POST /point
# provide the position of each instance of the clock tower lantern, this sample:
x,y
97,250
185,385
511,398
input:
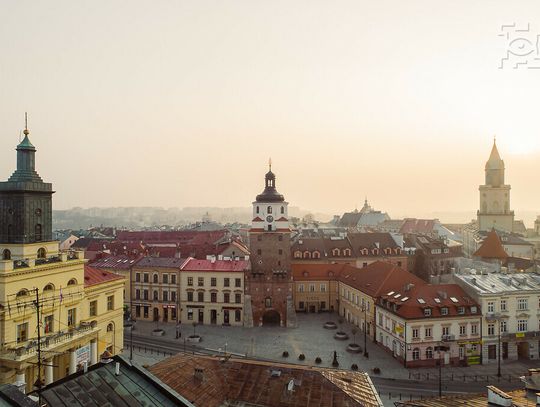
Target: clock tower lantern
x,y
269,285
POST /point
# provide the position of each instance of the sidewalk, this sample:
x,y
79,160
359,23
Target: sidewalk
x,y
311,339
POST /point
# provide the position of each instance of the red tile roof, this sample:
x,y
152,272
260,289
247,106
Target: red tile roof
x,y
216,265
121,262
492,247
93,276
311,272
412,225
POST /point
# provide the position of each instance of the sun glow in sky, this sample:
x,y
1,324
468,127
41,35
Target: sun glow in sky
x,y
180,103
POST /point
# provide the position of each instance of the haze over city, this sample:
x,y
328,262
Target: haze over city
x,y
182,103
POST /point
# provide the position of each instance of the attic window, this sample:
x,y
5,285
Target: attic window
x,y
397,295
421,301
391,293
404,299
437,300
453,299
427,312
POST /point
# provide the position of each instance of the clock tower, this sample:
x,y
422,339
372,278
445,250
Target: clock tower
x,y
269,285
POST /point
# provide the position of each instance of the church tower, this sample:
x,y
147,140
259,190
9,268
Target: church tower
x,y
269,284
495,197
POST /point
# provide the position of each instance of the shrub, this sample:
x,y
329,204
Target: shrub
x,y
301,356
318,360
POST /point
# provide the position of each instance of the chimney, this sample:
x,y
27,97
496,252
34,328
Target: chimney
x,y
498,397
198,373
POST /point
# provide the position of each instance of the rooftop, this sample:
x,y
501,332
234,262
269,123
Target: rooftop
x,y
498,283
216,265
93,276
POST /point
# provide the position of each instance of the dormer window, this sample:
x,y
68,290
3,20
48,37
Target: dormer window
x,y
257,209
427,312
282,209
269,209
461,310
316,255
347,252
473,310
297,255
444,311
307,255
335,252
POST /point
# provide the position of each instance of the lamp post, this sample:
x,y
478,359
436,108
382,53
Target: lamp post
x,y
366,354
131,339
499,351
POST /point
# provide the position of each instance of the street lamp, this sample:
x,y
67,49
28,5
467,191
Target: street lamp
x,y
364,308
441,348
131,339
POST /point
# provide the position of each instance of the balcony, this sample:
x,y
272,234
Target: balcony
x,y
48,343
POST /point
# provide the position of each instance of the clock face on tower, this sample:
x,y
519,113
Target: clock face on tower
x,y
269,218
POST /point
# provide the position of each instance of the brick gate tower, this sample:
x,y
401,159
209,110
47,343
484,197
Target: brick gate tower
x,y
269,285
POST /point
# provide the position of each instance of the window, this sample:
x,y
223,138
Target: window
x,y
48,287
300,288
138,311
461,310
22,332
48,324
238,282
173,296
173,278
257,209
323,288
269,209
429,353
416,354
427,333
280,251
145,277
463,329
200,296
503,326
474,329
226,282
190,296
415,333
93,308
444,311
165,279
165,296
446,330
522,304
41,253
110,302
503,305
238,298
110,327
522,325
213,281
474,310
491,306
491,329
200,281
6,255
155,278
145,295
237,315
72,317
301,305
226,298
190,314
145,309
427,312
156,295
190,281
138,277
213,297
259,252
311,288
268,302
282,209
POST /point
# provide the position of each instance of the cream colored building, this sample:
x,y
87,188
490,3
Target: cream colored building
x,y
46,316
213,291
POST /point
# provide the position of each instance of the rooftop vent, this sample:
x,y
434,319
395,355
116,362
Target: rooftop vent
x,y
198,373
275,373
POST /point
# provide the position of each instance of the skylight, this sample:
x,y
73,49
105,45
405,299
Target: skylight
x,y
397,295
421,301
438,301
404,299
453,299
390,293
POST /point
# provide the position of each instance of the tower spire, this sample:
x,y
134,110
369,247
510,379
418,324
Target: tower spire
x,y
270,164
26,132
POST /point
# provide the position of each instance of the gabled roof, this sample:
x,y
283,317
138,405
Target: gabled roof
x,y
216,265
412,225
315,272
379,240
262,383
491,248
94,276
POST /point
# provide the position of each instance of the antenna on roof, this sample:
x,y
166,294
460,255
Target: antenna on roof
x,y
26,132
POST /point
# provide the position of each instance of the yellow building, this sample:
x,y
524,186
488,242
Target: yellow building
x,y
316,287
46,312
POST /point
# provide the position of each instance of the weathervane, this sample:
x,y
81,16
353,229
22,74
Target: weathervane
x,y
26,132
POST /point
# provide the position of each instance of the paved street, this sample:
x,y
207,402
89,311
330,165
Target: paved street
x,y
311,339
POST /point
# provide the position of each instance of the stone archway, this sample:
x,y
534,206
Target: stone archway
x,y
271,317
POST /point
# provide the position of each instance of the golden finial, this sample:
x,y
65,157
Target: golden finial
x,y
26,132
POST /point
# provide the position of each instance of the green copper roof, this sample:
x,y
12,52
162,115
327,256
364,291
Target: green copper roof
x,y
25,144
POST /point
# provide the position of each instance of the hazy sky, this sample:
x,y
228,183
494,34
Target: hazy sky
x,y
180,103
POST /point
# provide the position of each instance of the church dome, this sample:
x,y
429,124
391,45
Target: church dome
x,y
270,194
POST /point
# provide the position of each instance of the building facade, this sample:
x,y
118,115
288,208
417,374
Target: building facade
x,y
316,287
47,326
269,284
213,291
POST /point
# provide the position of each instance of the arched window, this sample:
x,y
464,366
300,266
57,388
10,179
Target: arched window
x,y
307,255
155,278
257,209
41,253
22,292
73,281
6,255
156,295
316,255
110,327
416,354
387,251
375,252
429,353
269,209
38,232
347,252
282,209
364,252
49,287
335,252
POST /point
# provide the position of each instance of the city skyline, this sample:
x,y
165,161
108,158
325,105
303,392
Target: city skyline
x,y
407,122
